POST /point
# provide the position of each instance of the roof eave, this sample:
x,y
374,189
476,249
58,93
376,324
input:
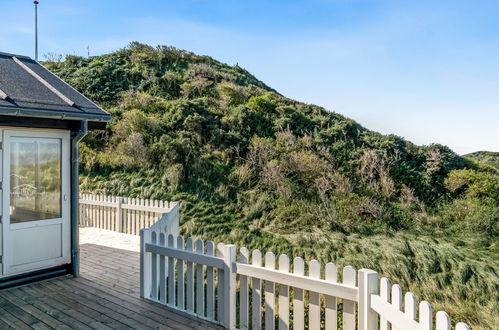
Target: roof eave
x,y
53,114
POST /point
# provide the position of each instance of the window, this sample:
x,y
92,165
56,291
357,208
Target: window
x,y
35,179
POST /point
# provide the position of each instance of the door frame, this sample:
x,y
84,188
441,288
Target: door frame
x,y
65,219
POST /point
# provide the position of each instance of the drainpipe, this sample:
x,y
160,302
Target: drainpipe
x,y
75,197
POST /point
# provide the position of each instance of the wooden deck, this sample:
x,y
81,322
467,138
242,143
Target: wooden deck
x,y
105,296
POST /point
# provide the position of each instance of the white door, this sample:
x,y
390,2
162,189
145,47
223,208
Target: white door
x,y
36,205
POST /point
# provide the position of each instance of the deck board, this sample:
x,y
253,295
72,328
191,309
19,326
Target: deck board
x,y
105,296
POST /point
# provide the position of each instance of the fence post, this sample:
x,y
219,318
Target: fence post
x,y
368,285
229,287
145,264
119,214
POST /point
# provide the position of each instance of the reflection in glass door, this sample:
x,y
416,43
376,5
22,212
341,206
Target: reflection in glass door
x,y
35,179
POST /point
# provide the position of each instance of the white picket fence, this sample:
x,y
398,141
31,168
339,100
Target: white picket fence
x,y
127,215
252,292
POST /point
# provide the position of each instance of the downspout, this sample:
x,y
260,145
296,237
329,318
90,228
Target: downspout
x,y
75,197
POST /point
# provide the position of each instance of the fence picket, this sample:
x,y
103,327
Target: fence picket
x,y
200,280
130,215
154,269
283,295
410,305
112,224
171,273
396,300
145,215
97,212
102,212
425,316
82,207
93,212
349,278
462,326
298,301
162,271
142,222
81,218
80,215
443,321
110,213
190,277
135,222
114,218
256,297
90,212
331,321
147,218
148,214
151,214
86,210
244,294
180,276
386,296
136,214
210,283
314,307
126,217
269,294
83,210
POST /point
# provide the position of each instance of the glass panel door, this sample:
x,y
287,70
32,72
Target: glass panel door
x,y
36,203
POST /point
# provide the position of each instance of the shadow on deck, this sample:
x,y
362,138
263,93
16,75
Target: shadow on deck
x,y
105,296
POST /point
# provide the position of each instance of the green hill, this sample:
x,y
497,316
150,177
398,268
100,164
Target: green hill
x,y
487,157
255,168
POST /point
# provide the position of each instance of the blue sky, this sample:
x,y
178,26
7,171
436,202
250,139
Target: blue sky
x,y
424,70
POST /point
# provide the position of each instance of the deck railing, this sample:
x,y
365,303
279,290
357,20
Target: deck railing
x,y
127,215
249,291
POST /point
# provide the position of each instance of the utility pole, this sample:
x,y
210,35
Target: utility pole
x,y
36,30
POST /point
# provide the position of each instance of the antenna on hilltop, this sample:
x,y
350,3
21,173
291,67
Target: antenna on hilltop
x,y
36,29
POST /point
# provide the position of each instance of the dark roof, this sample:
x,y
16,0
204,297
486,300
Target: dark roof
x,y
28,89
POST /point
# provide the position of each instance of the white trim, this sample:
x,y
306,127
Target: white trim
x,y
209,261
298,281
